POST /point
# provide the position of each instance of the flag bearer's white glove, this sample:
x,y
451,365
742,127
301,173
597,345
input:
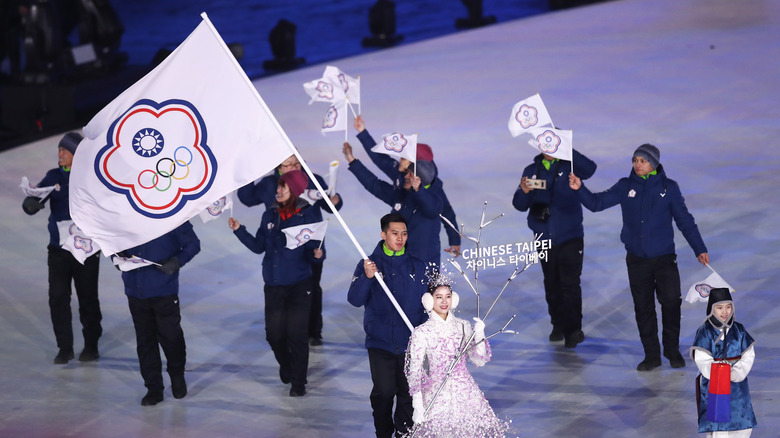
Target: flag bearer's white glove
x,y
418,407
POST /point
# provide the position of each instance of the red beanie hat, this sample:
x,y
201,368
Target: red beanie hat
x,y
296,180
424,152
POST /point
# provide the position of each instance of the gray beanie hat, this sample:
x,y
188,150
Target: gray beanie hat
x,y
649,153
426,170
71,141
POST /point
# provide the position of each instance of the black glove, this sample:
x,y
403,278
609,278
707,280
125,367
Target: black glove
x,y
32,205
170,266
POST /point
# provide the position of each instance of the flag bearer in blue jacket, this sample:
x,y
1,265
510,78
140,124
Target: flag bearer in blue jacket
x,y
387,335
153,296
650,201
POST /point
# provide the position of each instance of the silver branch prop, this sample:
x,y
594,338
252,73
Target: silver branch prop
x,y
474,287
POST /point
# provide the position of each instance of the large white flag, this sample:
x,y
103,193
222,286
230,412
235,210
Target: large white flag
x,y
217,209
528,113
350,85
323,90
73,239
335,118
398,146
553,142
299,235
191,131
700,291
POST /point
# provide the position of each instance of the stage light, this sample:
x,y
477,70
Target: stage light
x,y
43,42
100,25
282,40
237,50
381,23
475,18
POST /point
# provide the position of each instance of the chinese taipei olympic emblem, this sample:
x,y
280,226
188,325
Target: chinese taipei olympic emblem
x,y
395,142
548,142
157,156
304,236
703,289
527,116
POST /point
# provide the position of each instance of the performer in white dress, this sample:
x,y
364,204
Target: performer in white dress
x,y
460,409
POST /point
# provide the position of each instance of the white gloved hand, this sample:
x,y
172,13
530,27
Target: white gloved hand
x,y
418,407
479,329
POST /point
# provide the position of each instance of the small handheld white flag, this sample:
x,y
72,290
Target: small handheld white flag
x,y
323,90
74,240
556,143
217,209
335,118
39,192
700,291
298,236
350,85
398,145
527,114
129,263
333,170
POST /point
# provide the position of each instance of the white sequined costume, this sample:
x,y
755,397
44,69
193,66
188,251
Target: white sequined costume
x,y
460,409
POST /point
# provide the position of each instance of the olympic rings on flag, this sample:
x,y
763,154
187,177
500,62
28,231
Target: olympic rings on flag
x,y
163,170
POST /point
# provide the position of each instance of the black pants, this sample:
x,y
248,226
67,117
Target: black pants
x,y
315,315
157,323
287,327
562,289
387,374
651,278
64,269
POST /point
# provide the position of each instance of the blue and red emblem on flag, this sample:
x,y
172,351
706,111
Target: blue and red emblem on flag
x,y
331,118
325,90
395,142
304,236
548,142
703,289
719,393
527,116
157,156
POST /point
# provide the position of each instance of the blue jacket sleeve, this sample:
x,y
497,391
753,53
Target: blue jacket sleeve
x,y
188,241
256,244
685,221
522,201
321,204
427,202
384,162
453,236
603,200
584,167
360,288
381,189
260,192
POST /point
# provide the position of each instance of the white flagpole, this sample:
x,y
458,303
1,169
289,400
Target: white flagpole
x,y
352,108
308,171
323,234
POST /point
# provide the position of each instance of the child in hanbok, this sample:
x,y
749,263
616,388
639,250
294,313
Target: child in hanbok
x,y
721,339
460,409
